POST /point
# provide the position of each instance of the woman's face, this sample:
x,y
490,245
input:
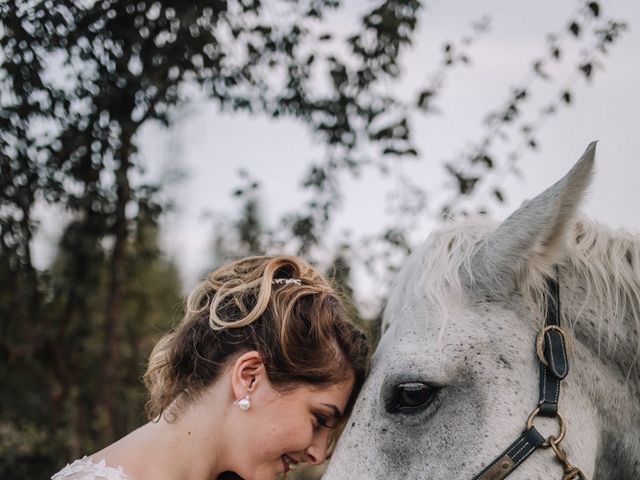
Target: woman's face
x,y
286,428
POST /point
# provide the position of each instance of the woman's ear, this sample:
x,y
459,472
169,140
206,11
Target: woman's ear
x,y
246,373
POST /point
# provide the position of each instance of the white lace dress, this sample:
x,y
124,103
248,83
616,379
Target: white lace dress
x,y
86,469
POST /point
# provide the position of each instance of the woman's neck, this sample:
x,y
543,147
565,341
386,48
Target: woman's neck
x,y
187,449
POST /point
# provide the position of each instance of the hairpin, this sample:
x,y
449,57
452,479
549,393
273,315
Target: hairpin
x,y
287,281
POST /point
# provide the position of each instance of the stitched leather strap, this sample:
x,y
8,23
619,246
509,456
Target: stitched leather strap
x,y
551,376
513,456
555,353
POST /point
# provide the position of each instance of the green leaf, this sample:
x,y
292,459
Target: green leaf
x,y
424,99
484,158
400,152
574,28
586,69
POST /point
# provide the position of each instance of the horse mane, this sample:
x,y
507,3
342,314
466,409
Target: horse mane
x,y
605,263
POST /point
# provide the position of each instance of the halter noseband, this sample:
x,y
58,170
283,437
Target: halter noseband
x,y
552,344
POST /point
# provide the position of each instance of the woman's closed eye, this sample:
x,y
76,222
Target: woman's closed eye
x,y
320,421
327,416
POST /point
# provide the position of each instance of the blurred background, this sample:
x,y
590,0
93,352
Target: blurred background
x,y
143,143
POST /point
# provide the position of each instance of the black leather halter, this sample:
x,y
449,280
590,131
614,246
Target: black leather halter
x,y
551,347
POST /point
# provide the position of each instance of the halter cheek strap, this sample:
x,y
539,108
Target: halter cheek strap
x,y
551,347
513,456
552,354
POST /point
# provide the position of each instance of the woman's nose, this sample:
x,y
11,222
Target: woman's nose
x,y
316,453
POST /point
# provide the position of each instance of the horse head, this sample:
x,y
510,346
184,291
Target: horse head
x,y
455,375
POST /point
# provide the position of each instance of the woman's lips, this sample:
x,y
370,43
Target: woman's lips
x,y
285,463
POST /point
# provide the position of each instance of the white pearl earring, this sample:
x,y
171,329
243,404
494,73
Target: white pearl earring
x,y
244,403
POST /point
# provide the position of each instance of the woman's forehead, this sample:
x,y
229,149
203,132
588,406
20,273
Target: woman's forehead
x,y
335,394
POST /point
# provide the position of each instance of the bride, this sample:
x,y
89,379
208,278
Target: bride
x,y
257,377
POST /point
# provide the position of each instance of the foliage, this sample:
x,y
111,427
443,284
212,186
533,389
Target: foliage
x,y
52,368
476,173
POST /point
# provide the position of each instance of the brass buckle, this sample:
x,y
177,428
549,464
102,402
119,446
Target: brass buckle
x,y
540,342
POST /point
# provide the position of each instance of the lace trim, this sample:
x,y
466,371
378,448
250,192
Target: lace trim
x,y
91,471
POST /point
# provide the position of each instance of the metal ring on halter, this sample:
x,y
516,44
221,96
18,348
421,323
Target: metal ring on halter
x,y
540,342
555,440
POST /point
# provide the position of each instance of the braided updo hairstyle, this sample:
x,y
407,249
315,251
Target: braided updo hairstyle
x,y
277,305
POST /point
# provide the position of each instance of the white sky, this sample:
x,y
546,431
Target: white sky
x,y
210,147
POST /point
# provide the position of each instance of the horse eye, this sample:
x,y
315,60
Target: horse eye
x,y
411,397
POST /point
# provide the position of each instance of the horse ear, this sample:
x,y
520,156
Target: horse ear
x,y
533,236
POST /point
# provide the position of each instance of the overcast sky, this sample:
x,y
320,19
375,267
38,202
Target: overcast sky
x,y
210,147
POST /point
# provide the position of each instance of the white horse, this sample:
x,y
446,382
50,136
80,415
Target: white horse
x,y
456,374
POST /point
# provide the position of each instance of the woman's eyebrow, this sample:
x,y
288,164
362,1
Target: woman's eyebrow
x,y
336,411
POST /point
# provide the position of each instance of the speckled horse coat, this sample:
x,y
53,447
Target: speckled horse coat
x,y
455,374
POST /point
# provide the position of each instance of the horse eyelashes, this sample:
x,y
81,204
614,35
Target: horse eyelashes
x,y
411,397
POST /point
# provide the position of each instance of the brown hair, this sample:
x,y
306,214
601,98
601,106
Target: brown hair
x,y
299,327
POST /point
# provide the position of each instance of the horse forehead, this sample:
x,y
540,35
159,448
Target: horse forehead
x,y
418,327
410,313
413,313
404,348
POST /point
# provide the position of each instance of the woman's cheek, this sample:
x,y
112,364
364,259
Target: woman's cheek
x,y
300,438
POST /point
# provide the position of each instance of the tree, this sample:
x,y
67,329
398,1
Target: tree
x,y
476,172
56,371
